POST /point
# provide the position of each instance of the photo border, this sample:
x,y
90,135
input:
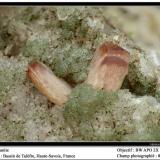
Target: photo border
x,y
82,143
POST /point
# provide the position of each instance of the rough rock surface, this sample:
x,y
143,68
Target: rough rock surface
x,y
65,38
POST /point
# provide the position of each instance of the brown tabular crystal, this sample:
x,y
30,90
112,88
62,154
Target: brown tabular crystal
x,y
108,67
55,89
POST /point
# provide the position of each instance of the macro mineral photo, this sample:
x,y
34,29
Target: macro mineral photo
x,y
79,73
